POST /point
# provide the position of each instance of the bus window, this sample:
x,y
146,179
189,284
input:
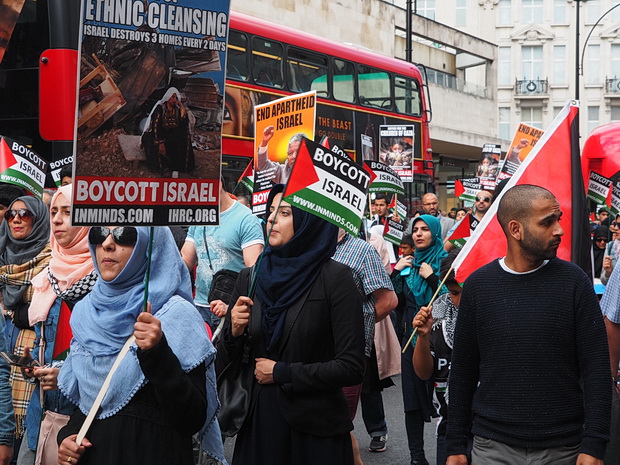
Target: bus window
x,y
267,63
237,65
374,88
344,84
307,71
407,96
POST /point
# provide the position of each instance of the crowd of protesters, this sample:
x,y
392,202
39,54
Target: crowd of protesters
x,y
514,366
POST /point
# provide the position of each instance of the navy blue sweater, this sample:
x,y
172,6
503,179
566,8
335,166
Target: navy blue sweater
x,y
530,341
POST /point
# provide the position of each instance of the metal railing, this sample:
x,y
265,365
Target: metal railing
x,y
612,85
531,87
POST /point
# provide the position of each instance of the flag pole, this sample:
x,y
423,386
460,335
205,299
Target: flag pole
x,y
430,304
147,276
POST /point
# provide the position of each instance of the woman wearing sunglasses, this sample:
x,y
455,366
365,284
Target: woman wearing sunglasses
x,y
163,391
24,253
307,342
68,278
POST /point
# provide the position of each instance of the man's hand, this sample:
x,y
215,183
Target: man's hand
x,y
585,459
456,460
6,454
267,135
218,308
395,217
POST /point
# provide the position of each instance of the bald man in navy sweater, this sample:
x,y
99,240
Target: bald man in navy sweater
x,y
530,367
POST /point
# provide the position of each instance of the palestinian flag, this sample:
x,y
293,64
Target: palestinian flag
x,y
329,185
247,177
63,334
554,164
466,189
459,236
383,178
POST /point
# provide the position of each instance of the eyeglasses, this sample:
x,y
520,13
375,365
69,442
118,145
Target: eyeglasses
x,y
600,239
23,213
122,235
483,199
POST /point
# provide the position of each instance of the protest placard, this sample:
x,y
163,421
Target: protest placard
x,y
401,209
523,142
383,178
280,126
598,188
9,14
488,167
459,236
466,189
329,185
21,166
151,88
615,199
393,232
396,149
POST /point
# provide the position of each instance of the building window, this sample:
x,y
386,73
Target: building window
x,y
504,123
593,11
615,60
532,116
593,118
504,67
615,113
531,62
532,11
593,60
461,13
425,8
559,64
556,111
559,11
504,13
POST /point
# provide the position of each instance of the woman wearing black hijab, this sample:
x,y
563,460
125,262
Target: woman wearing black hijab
x,y
307,341
599,244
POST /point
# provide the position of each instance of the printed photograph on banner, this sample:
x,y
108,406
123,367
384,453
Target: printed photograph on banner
x,y
280,128
383,178
598,188
329,185
150,104
21,166
393,232
523,142
396,149
368,151
9,13
488,167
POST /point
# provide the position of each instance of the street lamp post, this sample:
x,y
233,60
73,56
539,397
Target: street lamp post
x,y
577,62
408,32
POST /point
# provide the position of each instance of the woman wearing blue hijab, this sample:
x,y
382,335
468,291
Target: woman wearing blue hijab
x,y
418,289
306,332
164,389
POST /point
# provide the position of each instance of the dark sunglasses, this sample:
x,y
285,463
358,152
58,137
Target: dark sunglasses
x,y
122,235
600,239
22,212
483,199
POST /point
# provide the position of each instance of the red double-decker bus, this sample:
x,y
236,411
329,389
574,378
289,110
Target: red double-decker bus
x,y
358,91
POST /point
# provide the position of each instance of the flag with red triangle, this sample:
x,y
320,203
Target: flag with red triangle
x,y
329,185
467,189
247,177
554,164
393,232
459,236
21,166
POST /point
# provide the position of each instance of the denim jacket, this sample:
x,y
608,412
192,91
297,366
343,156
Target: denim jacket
x,y
54,400
7,418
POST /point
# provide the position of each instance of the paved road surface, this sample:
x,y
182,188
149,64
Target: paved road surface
x,y
397,452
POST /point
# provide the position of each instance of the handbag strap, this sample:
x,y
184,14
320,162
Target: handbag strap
x,y
204,238
103,391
